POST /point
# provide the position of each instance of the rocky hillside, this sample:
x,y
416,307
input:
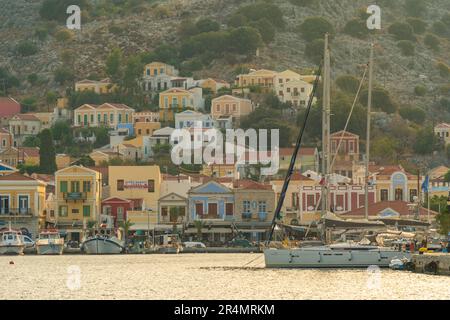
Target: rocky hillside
x,y
149,24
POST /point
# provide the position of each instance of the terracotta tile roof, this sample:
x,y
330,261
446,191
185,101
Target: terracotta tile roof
x,y
8,107
29,151
387,170
251,185
399,206
346,134
103,170
303,151
27,117
16,176
443,126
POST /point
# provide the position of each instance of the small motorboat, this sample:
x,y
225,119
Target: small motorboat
x,y
11,242
400,264
50,242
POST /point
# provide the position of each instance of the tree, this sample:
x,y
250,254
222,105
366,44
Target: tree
x,y
265,28
384,150
63,75
113,65
207,25
314,50
348,84
432,42
401,31
419,26
47,156
356,28
32,141
415,114
380,100
420,91
258,11
315,28
126,226
425,141
406,47
245,40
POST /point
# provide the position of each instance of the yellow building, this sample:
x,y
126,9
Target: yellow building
x,y
136,183
262,78
159,68
220,171
101,87
107,114
77,200
146,128
214,85
438,184
103,156
442,130
176,100
63,160
46,119
22,201
225,106
27,155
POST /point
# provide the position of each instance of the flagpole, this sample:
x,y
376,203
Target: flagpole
x,y
428,194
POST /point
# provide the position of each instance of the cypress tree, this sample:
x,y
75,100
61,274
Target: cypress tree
x,y
47,154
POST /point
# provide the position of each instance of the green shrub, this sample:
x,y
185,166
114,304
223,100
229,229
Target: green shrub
x,y
63,35
416,8
265,28
62,75
41,33
237,20
56,9
348,83
432,42
245,40
356,28
380,100
260,10
419,26
32,78
414,114
444,70
440,28
207,25
401,31
315,28
407,47
420,91
314,50
26,48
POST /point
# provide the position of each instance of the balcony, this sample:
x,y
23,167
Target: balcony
x,y
74,196
246,215
262,216
16,212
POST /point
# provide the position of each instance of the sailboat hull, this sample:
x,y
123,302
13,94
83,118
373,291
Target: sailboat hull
x,y
325,258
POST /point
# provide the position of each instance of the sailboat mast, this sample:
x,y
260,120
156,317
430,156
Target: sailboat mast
x,y
369,110
326,127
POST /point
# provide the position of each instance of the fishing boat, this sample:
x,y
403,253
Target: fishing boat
x,y
102,244
50,242
169,243
11,242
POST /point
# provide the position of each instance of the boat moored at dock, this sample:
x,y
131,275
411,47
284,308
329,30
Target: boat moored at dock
x,y
49,243
11,242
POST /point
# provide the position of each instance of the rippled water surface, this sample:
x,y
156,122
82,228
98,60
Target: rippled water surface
x,y
201,276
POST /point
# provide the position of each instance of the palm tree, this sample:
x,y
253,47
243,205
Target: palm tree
x,y
125,226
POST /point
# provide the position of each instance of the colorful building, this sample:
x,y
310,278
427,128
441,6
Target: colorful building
x,y
101,87
24,125
190,118
214,85
117,208
226,106
177,100
107,114
146,128
14,156
77,200
8,108
442,130
345,148
145,116
6,139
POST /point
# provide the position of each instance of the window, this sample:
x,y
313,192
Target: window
x,y
148,72
23,204
398,194
111,117
139,131
62,211
86,211
120,214
217,107
351,147
412,194
234,107
74,186
86,186
99,118
92,118
148,131
105,118
384,195
4,142
79,119
75,211
262,206
246,206
164,211
295,200
120,118
120,185
52,213
63,186
229,209
126,118
151,186
199,209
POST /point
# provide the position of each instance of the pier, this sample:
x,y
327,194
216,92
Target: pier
x,y
432,263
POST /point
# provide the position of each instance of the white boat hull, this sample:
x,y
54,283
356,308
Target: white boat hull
x,y
102,246
12,249
307,258
50,249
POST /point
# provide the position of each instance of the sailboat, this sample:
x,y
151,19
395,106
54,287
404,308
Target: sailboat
x,y
350,255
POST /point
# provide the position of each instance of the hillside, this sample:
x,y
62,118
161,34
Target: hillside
x,y
139,27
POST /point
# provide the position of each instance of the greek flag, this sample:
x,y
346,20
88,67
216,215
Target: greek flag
x,y
425,184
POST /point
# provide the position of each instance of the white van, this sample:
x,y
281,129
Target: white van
x,y
191,244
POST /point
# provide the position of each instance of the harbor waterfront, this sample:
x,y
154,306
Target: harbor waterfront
x,y
203,276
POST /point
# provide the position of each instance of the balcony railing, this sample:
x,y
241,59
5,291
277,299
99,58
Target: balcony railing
x,y
246,215
262,216
74,196
16,212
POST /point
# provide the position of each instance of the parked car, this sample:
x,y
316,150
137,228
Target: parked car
x,y
243,243
193,244
30,245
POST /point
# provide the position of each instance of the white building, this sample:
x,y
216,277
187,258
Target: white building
x,y
189,118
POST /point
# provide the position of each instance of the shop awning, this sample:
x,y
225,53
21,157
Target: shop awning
x,y
206,230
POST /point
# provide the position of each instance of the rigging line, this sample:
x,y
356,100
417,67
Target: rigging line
x,y
349,117
294,156
253,260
